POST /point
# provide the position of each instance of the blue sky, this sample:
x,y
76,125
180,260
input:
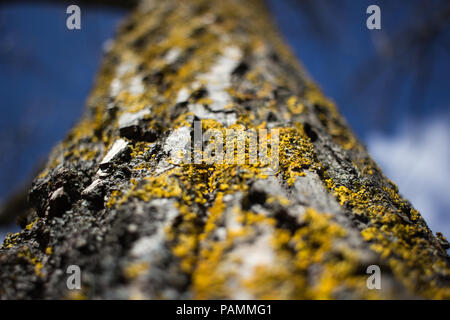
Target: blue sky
x,y
47,73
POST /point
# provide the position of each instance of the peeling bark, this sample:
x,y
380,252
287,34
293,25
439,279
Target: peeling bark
x,y
140,225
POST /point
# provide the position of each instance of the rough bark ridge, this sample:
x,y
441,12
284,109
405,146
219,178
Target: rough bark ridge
x,y
140,225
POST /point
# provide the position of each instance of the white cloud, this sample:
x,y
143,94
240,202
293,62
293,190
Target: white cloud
x,y
417,159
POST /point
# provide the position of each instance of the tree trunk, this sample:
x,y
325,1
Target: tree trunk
x,y
117,199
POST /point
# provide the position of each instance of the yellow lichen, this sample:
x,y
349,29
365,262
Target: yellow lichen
x,y
311,246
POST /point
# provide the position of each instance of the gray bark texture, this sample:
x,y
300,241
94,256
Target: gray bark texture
x,y
116,200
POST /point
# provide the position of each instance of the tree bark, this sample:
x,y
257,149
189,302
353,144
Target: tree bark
x,y
140,225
